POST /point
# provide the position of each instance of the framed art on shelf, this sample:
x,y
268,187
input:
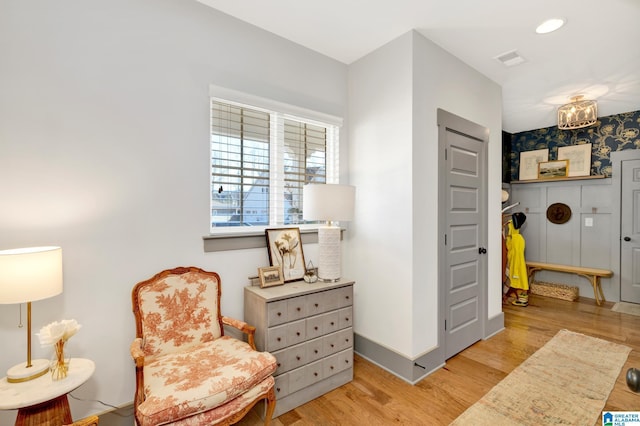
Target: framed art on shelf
x,y
270,276
529,163
579,157
553,169
285,249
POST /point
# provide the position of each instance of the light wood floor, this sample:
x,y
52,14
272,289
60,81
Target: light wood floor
x,y
376,397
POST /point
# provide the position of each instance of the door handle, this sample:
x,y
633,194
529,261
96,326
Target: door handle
x,y
627,239
482,250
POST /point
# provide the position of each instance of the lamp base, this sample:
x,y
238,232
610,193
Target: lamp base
x,y
21,373
329,254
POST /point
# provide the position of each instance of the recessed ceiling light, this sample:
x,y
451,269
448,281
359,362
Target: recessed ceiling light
x,y
550,25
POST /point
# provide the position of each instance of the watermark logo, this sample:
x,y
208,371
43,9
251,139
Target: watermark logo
x,y
621,418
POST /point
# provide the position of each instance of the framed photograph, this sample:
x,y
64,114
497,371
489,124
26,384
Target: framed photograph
x,y
553,169
529,163
579,157
285,250
270,276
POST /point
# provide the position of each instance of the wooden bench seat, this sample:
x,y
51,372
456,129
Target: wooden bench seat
x,y
592,274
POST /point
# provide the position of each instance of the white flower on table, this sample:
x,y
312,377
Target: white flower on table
x,y
56,334
52,333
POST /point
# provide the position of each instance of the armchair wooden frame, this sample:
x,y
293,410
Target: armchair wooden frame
x,y
247,331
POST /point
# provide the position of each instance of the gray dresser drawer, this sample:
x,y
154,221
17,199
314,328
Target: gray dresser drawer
x,y
305,376
336,363
338,341
277,313
345,317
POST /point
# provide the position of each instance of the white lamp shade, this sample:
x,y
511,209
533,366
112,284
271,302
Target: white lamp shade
x,y
329,202
30,274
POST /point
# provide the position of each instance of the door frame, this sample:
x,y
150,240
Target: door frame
x,y
445,120
617,157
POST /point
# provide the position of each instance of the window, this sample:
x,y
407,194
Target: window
x,y
260,160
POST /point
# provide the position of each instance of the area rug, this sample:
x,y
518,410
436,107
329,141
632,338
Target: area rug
x,y
567,381
627,308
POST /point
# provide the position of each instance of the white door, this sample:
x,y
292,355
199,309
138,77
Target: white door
x,y
630,232
464,276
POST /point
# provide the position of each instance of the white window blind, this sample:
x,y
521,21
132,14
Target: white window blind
x,y
304,162
260,160
240,139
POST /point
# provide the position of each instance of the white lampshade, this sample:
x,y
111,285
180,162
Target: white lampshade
x,y
330,202
30,274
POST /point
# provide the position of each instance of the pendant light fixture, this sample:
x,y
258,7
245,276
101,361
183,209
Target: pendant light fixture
x,y
577,114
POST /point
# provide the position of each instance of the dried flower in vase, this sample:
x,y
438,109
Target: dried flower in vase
x,y
56,334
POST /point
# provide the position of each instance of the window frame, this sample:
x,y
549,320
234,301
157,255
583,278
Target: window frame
x,y
280,111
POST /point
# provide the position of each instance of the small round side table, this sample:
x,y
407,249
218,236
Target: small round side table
x,y
43,400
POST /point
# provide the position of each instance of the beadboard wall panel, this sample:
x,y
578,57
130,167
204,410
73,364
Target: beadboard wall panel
x,y
585,240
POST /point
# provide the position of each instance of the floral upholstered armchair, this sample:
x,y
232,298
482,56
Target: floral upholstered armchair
x,y
187,371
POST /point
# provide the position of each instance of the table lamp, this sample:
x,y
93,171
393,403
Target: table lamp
x,y
330,203
27,275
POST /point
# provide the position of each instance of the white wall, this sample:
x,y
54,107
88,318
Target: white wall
x,y
104,151
381,235
394,242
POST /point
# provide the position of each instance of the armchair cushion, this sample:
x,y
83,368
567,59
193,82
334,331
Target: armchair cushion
x,y
209,375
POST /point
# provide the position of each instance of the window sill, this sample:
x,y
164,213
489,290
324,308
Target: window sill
x,y
247,240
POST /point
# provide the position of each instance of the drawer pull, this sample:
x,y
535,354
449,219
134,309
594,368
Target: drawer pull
x,y
316,305
315,328
279,314
315,351
331,367
346,319
298,309
315,374
298,357
346,340
346,361
332,345
347,297
278,389
279,365
297,333
279,339
332,323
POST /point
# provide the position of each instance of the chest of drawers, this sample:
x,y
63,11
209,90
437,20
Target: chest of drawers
x,y
308,328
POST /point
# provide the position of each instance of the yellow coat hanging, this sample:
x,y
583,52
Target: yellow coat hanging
x,y
517,266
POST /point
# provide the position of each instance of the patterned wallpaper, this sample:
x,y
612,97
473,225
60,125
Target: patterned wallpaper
x,y
612,133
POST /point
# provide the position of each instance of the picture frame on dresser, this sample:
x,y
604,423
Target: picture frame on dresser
x,y
270,276
284,246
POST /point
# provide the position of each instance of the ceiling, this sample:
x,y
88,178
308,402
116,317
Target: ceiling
x,y
596,53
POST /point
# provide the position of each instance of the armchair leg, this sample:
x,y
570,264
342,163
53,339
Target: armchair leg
x,y
271,406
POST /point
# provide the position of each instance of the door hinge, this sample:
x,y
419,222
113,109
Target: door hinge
x,y
445,325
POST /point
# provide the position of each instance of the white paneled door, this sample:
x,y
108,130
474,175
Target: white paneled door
x,y
464,276
630,232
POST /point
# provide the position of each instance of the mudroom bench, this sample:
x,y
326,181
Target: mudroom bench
x,y
592,274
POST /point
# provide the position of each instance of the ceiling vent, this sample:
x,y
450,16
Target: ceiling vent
x,y
510,58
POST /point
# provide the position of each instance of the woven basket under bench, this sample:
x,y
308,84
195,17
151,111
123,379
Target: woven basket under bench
x,y
558,291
